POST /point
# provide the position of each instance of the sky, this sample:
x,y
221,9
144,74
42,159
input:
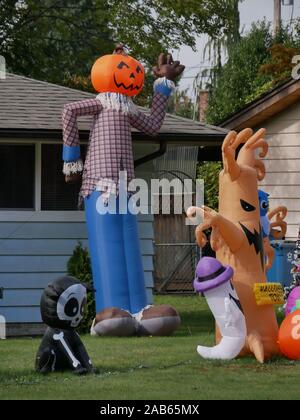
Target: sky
x,y
251,11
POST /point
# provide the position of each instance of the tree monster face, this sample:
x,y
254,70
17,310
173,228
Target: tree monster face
x,y
239,203
119,74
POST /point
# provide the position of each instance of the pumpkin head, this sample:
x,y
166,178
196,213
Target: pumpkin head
x,y
118,73
289,336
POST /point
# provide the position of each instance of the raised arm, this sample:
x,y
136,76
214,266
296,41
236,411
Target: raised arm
x,y
165,71
231,234
71,148
151,124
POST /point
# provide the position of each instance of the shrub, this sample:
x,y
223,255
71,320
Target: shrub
x,y
209,172
79,266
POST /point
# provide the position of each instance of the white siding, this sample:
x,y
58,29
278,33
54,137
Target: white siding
x,y
35,247
34,253
282,181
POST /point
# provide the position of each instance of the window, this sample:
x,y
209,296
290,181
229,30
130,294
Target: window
x,y
55,193
21,176
17,172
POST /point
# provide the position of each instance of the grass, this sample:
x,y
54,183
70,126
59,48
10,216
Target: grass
x,y
150,368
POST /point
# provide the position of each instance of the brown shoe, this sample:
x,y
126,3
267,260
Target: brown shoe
x,y
114,322
159,320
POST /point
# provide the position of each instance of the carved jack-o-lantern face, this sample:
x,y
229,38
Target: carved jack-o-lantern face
x,y
118,73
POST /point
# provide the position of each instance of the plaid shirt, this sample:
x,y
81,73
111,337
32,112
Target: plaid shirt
x,y
110,143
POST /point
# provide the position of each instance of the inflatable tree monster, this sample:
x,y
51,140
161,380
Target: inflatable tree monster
x,y
237,235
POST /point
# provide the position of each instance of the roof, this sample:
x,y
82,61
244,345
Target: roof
x,y
33,108
270,104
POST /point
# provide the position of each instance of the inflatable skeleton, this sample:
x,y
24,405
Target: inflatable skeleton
x,y
62,308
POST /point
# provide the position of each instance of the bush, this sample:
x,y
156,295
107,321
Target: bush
x,y
79,266
209,172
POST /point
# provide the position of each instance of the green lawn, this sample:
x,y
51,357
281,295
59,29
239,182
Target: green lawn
x,y
150,368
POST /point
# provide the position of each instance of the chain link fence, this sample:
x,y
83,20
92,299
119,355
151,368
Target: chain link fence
x,y
175,265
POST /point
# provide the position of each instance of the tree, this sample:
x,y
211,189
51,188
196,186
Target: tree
x,y
58,40
239,77
219,44
256,64
280,65
150,25
54,40
181,104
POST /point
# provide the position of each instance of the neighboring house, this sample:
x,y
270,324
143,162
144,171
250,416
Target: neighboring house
x,y
39,221
279,112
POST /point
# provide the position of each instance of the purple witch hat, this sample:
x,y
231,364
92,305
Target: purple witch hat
x,y
210,273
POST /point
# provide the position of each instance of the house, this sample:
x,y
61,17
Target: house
x,y
279,112
39,221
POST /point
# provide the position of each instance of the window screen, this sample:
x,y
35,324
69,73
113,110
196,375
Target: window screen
x,y
17,171
56,194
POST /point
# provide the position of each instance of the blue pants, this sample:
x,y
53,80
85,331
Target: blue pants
x,y
116,258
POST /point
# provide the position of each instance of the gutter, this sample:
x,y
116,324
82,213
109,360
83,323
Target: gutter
x,y
182,139
160,152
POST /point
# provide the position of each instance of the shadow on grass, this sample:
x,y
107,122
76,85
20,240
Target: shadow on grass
x,y
193,323
26,377
20,377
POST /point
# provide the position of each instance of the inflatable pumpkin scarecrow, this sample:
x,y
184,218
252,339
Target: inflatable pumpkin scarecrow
x,y
118,275
237,235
